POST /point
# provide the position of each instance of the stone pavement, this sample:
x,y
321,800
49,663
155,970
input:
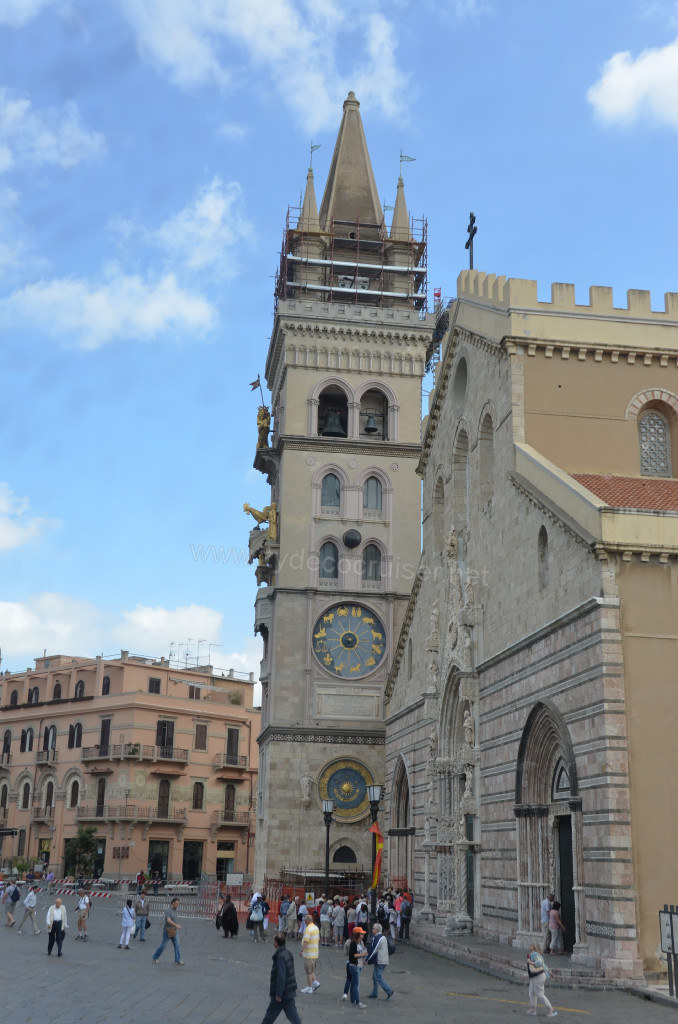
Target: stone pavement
x,y
226,980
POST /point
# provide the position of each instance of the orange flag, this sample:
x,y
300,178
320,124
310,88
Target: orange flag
x,y
377,861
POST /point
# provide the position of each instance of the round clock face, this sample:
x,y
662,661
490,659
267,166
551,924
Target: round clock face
x,y
349,640
345,781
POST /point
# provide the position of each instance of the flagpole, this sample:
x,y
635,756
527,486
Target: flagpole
x,y
374,795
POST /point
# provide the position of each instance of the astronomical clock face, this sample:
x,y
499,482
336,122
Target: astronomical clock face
x,y
349,641
345,781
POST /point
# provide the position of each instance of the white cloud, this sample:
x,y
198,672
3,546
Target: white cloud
x,y
645,86
17,527
119,307
233,130
55,136
152,630
17,13
292,44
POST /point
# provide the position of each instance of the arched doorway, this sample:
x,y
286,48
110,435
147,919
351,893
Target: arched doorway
x,y
400,843
548,813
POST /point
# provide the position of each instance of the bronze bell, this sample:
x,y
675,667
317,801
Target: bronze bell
x,y
333,426
371,425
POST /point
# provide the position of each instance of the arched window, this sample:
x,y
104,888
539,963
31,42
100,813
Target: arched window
x,y
75,735
7,741
460,479
332,412
14,698
79,689
371,564
57,691
229,802
30,736
655,447
49,737
4,792
459,386
543,557
198,796
33,695
106,686
344,855
372,494
26,796
74,795
330,493
374,415
328,568
49,794
163,798
22,745
486,459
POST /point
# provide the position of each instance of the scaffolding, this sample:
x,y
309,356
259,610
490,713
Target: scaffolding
x,y
355,262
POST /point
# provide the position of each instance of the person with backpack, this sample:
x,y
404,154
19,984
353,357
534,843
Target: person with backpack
x,y
405,917
378,957
257,919
10,899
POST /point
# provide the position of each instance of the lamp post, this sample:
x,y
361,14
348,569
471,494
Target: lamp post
x,y
328,807
374,796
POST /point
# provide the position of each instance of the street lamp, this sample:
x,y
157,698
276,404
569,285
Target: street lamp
x,y
328,807
374,796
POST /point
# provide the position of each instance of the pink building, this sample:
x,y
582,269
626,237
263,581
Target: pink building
x,y
161,760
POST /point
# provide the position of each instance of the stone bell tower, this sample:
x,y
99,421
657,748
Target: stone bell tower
x,y
338,546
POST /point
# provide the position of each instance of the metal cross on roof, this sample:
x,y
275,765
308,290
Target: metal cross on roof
x,y
472,229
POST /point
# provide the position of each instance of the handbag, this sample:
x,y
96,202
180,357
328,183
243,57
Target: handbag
x,y
148,923
171,931
217,922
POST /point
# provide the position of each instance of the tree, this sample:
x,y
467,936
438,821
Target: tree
x,y
81,850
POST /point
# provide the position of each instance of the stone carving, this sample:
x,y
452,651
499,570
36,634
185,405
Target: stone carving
x,y
433,746
263,426
427,831
469,727
468,786
305,782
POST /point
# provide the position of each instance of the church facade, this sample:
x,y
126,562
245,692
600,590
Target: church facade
x,y
529,707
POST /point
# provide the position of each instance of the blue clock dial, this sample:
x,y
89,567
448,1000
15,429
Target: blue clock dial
x,y
349,641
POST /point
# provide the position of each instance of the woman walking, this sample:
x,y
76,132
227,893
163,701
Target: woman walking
x,y
556,929
356,958
128,922
536,969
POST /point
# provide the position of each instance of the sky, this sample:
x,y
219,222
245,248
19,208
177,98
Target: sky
x,y
149,150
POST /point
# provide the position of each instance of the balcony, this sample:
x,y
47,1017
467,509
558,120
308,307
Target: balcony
x,y
46,757
39,814
228,819
135,752
231,764
132,812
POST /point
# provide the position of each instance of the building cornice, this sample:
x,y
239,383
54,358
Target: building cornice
x,y
385,449
374,736
629,354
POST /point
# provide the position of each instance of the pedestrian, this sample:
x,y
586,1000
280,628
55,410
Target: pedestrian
x,y
556,928
267,911
338,921
29,903
141,908
378,957
356,958
10,898
291,920
156,882
257,918
325,924
546,905
283,987
309,953
351,917
229,918
57,924
128,921
49,879
141,881
538,973
84,906
405,917
169,931
282,911
303,911
392,920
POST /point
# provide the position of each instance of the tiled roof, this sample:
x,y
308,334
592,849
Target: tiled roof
x,y
660,495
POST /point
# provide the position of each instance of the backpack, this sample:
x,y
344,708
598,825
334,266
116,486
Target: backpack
x,y
390,945
257,913
406,910
15,895
382,914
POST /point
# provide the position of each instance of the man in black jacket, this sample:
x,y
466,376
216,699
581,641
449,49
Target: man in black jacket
x,y
283,984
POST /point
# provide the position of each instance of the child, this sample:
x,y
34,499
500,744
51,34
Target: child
x,y
128,922
538,973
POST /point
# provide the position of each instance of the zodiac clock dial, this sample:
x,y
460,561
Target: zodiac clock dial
x,y
349,641
345,782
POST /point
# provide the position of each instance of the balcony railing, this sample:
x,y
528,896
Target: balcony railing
x,y
227,817
231,760
131,812
138,751
46,756
42,813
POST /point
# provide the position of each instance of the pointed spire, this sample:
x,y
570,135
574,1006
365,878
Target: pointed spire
x,y
308,219
351,191
400,225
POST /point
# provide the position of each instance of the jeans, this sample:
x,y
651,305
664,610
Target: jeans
x,y
140,928
378,979
287,1006
354,971
165,940
257,931
405,928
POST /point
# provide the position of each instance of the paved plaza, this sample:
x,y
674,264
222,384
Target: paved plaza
x,y
227,980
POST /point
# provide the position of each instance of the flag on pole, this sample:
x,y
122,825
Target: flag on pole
x,y
256,383
377,860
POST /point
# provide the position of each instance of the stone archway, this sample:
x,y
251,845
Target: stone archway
x,y
401,830
549,828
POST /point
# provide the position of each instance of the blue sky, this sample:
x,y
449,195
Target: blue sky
x,y
148,152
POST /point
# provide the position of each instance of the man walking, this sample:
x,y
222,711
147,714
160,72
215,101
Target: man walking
x,y
283,984
169,931
291,920
140,915
309,952
378,957
83,913
546,905
29,904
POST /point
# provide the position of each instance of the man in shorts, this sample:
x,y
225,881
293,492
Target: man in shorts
x,y
309,953
83,913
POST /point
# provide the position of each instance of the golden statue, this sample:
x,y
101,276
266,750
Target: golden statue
x,y
268,515
263,426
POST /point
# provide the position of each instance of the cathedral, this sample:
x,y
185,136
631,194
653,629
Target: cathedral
x,y
506,675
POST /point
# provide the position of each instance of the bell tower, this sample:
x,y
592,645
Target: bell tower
x,y
338,546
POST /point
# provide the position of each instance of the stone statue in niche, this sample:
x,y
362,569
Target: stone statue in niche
x,y
305,782
468,786
469,727
433,746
